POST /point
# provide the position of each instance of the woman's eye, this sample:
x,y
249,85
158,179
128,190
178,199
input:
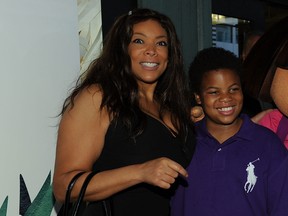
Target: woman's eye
x,y
139,41
162,43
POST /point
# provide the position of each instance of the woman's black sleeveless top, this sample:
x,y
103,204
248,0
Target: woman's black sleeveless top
x,y
121,150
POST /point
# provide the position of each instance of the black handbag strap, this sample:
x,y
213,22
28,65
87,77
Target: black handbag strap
x,y
82,192
107,207
68,192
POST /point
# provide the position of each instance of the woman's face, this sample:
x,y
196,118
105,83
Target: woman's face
x,y
221,97
148,51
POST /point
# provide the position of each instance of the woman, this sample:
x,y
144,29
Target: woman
x,y
128,118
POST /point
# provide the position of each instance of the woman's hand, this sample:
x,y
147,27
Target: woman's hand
x,y
161,172
197,113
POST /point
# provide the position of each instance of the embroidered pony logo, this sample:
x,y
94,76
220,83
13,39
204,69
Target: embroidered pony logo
x,y
251,177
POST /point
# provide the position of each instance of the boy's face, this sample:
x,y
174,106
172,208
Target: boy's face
x,y
221,97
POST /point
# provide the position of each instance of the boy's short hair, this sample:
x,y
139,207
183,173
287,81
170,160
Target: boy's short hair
x,y
208,59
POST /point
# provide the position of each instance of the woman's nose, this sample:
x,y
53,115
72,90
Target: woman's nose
x,y
151,50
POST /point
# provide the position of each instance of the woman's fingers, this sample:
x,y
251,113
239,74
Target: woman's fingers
x,y
197,113
178,168
162,172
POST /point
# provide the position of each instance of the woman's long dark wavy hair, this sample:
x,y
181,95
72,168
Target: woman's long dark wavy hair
x,y
111,71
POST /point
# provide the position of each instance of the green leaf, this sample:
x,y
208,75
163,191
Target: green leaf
x,y
44,201
3,209
25,200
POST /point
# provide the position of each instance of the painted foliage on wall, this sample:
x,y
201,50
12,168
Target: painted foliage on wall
x,y
42,204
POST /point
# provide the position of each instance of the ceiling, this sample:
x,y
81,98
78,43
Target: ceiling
x,y
275,12
261,13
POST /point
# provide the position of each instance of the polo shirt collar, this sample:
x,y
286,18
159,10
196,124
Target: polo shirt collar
x,y
245,132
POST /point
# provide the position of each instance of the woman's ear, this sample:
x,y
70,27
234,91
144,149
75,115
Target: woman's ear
x,y
197,98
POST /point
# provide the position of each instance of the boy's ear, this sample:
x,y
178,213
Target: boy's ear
x,y
197,98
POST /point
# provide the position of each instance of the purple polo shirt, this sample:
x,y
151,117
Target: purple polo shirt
x,y
246,175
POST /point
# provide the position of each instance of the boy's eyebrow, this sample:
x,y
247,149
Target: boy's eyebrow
x,y
211,87
238,84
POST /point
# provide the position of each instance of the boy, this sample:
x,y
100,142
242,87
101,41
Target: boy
x,y
239,168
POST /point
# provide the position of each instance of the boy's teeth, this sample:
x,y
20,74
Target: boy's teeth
x,y
225,109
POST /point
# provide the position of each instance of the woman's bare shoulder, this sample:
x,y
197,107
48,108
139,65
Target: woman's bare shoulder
x,y
89,98
87,106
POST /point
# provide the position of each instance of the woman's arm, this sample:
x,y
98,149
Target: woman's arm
x,y
80,141
279,89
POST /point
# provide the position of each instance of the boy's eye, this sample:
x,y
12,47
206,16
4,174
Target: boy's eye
x,y
234,89
212,92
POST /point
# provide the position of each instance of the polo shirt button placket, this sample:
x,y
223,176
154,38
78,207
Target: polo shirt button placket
x,y
219,159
